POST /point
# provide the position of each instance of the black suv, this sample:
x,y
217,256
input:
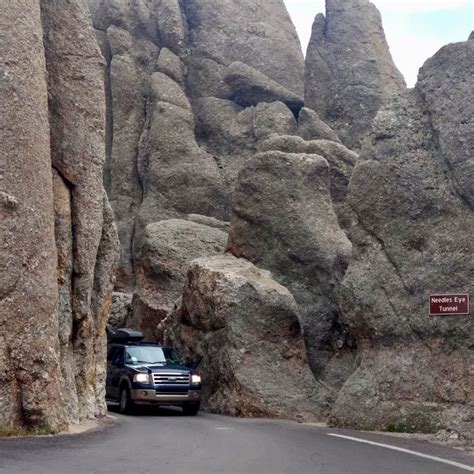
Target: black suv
x,y
144,373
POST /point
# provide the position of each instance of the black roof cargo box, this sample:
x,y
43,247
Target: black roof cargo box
x,y
126,335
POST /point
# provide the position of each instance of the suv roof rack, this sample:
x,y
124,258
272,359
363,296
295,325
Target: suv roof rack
x,y
126,335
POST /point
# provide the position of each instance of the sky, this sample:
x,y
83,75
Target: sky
x,y
415,29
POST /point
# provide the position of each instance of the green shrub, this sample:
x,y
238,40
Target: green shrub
x,y
8,432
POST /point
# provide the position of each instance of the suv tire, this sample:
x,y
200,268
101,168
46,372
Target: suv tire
x,y
191,410
125,401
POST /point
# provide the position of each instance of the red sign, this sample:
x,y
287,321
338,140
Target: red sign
x,y
445,305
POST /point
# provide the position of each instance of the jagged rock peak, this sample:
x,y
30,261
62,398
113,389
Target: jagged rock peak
x,y
349,69
412,192
258,33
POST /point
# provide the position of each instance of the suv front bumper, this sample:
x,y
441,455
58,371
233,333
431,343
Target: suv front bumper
x,y
152,397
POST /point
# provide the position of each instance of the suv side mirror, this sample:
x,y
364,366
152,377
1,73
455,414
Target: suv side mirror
x,y
191,365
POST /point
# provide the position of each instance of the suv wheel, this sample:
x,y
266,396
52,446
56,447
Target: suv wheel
x,y
125,401
191,410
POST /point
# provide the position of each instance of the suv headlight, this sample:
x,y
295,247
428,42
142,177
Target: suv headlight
x,y
141,378
195,379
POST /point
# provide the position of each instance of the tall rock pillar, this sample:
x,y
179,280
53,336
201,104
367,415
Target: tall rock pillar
x,y
349,70
29,349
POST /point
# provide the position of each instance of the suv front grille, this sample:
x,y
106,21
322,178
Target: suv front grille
x,y
170,379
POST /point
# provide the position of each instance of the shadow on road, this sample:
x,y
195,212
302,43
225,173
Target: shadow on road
x,y
153,411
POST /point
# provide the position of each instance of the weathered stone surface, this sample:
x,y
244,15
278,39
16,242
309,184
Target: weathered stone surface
x,y
128,81
257,33
171,65
205,78
155,169
416,390
284,221
120,311
414,239
250,87
30,386
273,119
178,176
245,328
160,54
71,53
311,127
57,228
341,162
165,89
168,248
231,133
171,25
132,37
209,221
444,80
349,70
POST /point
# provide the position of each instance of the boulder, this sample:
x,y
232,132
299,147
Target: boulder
x,y
232,133
120,311
248,87
349,71
273,118
311,127
414,238
284,221
170,64
168,248
209,222
341,162
244,328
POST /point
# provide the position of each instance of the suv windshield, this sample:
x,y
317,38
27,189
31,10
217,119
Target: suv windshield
x,y
151,355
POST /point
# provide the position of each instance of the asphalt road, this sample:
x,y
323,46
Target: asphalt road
x,y
168,442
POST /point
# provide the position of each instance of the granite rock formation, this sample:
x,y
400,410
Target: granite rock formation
x,y
412,194
178,72
58,239
349,70
284,221
244,329
341,163
206,123
120,311
168,249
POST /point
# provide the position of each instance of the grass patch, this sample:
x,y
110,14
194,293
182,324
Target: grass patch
x,y
401,428
9,432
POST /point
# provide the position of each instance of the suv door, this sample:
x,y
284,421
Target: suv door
x,y
111,351
114,371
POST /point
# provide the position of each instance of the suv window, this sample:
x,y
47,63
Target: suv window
x,y
118,357
151,355
111,352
